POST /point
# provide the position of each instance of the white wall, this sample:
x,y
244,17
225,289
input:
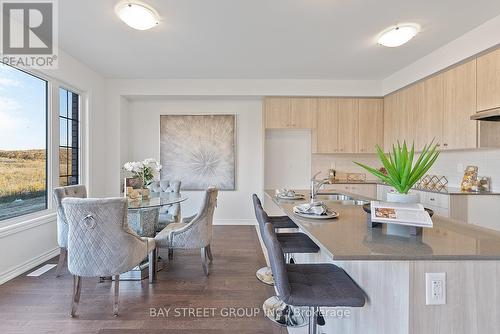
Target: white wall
x,y
29,243
287,159
143,141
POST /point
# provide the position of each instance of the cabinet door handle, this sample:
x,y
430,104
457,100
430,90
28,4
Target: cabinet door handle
x,y
432,199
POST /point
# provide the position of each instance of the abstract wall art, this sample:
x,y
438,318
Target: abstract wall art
x,y
198,150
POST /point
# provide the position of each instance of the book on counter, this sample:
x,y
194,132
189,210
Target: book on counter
x,y
400,213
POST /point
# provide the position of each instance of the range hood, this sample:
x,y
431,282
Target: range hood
x,y
491,115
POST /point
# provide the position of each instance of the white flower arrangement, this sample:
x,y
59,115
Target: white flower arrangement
x,y
145,170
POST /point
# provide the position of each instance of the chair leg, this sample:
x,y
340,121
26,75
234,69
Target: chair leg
x,y
63,253
204,263
153,268
313,320
170,254
209,253
117,289
77,288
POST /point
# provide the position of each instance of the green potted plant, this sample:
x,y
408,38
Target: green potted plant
x,y
403,171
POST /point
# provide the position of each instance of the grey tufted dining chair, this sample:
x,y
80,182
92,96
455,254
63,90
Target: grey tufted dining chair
x,y
100,243
170,213
59,194
195,232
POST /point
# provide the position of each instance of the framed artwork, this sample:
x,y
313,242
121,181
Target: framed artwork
x,y
198,150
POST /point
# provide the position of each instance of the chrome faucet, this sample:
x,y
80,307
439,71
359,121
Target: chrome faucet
x,y
316,185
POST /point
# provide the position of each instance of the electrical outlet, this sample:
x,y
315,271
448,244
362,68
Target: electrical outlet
x,y
435,288
460,168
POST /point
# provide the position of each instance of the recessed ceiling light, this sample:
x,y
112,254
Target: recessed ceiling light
x,y
398,35
137,15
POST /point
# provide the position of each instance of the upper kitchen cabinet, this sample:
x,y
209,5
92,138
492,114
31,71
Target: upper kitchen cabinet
x,y
348,126
277,112
325,136
303,112
400,116
371,124
289,112
459,83
488,81
430,112
392,126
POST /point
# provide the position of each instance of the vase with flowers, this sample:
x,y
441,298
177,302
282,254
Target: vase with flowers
x,y
145,171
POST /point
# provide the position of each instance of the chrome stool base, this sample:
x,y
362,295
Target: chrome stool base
x,y
265,275
285,315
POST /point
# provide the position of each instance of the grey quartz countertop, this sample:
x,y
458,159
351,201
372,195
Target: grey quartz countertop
x,y
349,238
447,191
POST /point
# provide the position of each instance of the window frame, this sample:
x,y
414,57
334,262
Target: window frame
x,y
52,147
68,146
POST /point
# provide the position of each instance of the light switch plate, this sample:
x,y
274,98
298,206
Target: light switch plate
x,y
435,288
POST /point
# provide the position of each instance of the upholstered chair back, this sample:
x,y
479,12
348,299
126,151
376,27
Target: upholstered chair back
x,y
198,232
100,243
260,214
78,191
166,186
277,260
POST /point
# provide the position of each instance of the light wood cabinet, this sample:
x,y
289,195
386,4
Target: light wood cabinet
x,y
459,132
326,133
371,124
303,112
343,123
277,112
488,81
348,126
429,117
290,112
392,127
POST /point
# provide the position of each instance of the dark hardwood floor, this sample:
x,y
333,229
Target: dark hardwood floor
x,y
42,304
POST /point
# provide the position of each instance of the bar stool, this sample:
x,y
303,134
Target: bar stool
x,y
291,242
310,285
264,274
275,309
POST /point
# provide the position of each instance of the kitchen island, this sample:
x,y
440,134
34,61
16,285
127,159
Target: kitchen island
x,y
391,270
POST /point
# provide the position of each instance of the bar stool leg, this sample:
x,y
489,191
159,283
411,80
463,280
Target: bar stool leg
x,y
285,315
313,320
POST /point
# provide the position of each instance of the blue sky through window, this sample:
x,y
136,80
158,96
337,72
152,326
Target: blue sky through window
x,y
22,110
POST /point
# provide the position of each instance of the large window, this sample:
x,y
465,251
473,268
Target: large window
x,y
69,113
23,143
39,142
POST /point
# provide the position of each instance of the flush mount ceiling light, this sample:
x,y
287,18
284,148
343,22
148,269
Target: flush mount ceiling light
x,y
137,14
398,35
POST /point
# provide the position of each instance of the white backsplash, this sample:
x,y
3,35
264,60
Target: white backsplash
x,y
450,164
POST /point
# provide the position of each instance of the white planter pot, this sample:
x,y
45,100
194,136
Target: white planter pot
x,y
396,197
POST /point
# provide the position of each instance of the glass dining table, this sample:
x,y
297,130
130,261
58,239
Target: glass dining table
x,y
143,220
143,213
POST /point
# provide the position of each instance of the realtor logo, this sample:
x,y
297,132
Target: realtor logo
x,y
29,33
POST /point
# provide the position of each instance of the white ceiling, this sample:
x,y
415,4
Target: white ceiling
x,y
263,39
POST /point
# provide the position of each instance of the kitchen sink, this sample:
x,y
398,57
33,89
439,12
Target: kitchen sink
x,y
340,198
334,197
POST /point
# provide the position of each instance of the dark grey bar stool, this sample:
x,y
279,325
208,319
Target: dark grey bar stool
x,y
310,285
275,309
291,242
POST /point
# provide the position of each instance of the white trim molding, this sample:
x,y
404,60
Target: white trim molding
x,y
28,265
26,224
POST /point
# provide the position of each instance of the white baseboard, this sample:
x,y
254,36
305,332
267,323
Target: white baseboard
x,y
28,265
235,222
